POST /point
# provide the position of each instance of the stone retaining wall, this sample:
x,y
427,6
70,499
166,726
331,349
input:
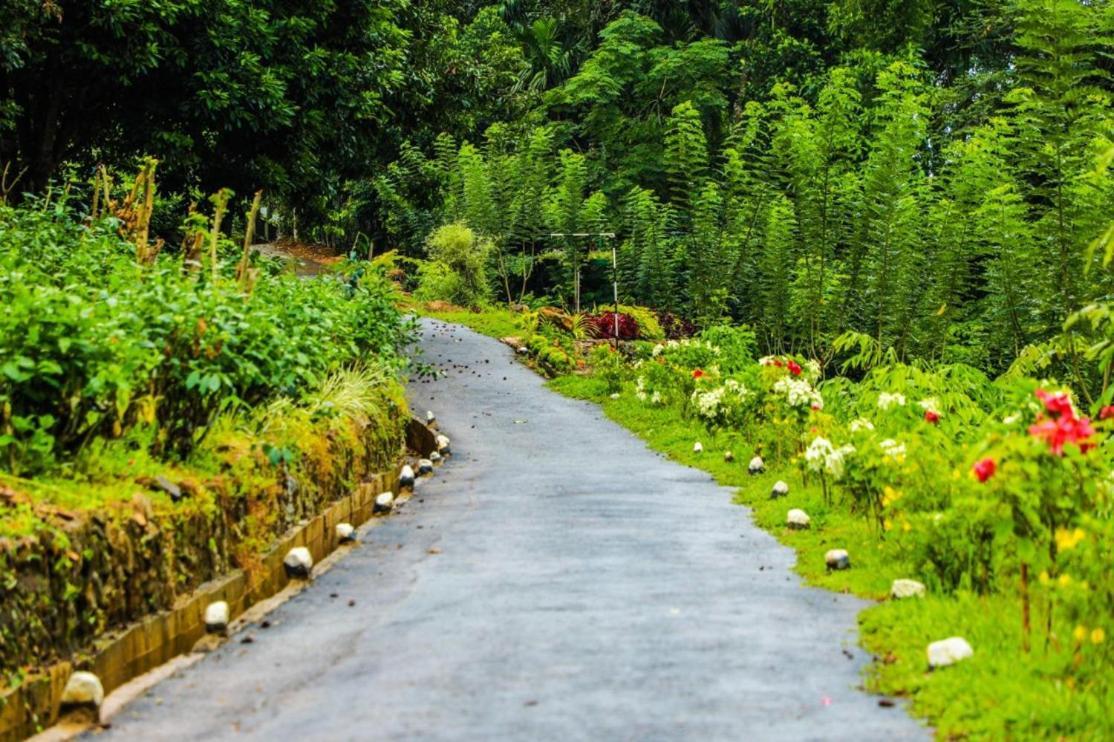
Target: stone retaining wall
x,y
145,580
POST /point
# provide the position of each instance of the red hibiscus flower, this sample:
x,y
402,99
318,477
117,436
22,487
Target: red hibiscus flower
x,y
931,416
984,469
1058,403
697,373
1063,427
1063,430
1107,412
794,368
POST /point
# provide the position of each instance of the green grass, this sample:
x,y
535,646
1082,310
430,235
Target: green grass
x,y
496,323
104,483
999,693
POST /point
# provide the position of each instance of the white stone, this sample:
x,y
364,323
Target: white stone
x,y
444,446
346,533
797,518
698,447
837,559
780,489
728,456
756,465
429,416
425,466
216,617
83,689
615,395
902,588
384,502
406,477
298,562
435,457
948,651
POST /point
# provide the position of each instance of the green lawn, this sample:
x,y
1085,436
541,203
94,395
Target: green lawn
x,y
496,323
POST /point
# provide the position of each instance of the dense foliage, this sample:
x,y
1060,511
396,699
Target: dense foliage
x,y
94,345
873,196
299,98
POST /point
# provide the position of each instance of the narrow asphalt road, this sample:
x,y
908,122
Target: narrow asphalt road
x,y
556,580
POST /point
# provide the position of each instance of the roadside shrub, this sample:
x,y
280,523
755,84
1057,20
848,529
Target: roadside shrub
x,y
457,268
674,326
549,356
604,325
648,326
607,364
438,282
739,346
94,345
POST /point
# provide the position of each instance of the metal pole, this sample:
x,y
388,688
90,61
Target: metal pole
x,y
615,288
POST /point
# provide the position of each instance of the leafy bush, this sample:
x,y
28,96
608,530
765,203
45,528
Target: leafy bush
x,y
93,345
550,357
605,325
457,267
648,326
607,364
674,326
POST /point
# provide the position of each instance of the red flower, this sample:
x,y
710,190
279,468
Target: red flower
x,y
931,416
1063,430
984,469
697,373
794,368
1106,412
1058,403
1063,427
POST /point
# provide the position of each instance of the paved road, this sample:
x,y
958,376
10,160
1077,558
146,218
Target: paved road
x,y
555,581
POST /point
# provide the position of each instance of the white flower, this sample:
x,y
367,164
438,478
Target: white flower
x,y
861,424
656,398
887,400
892,449
798,393
640,389
931,404
657,350
708,403
712,403
1012,419
821,455
817,452
812,370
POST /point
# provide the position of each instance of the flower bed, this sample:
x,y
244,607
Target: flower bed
x,y
996,496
